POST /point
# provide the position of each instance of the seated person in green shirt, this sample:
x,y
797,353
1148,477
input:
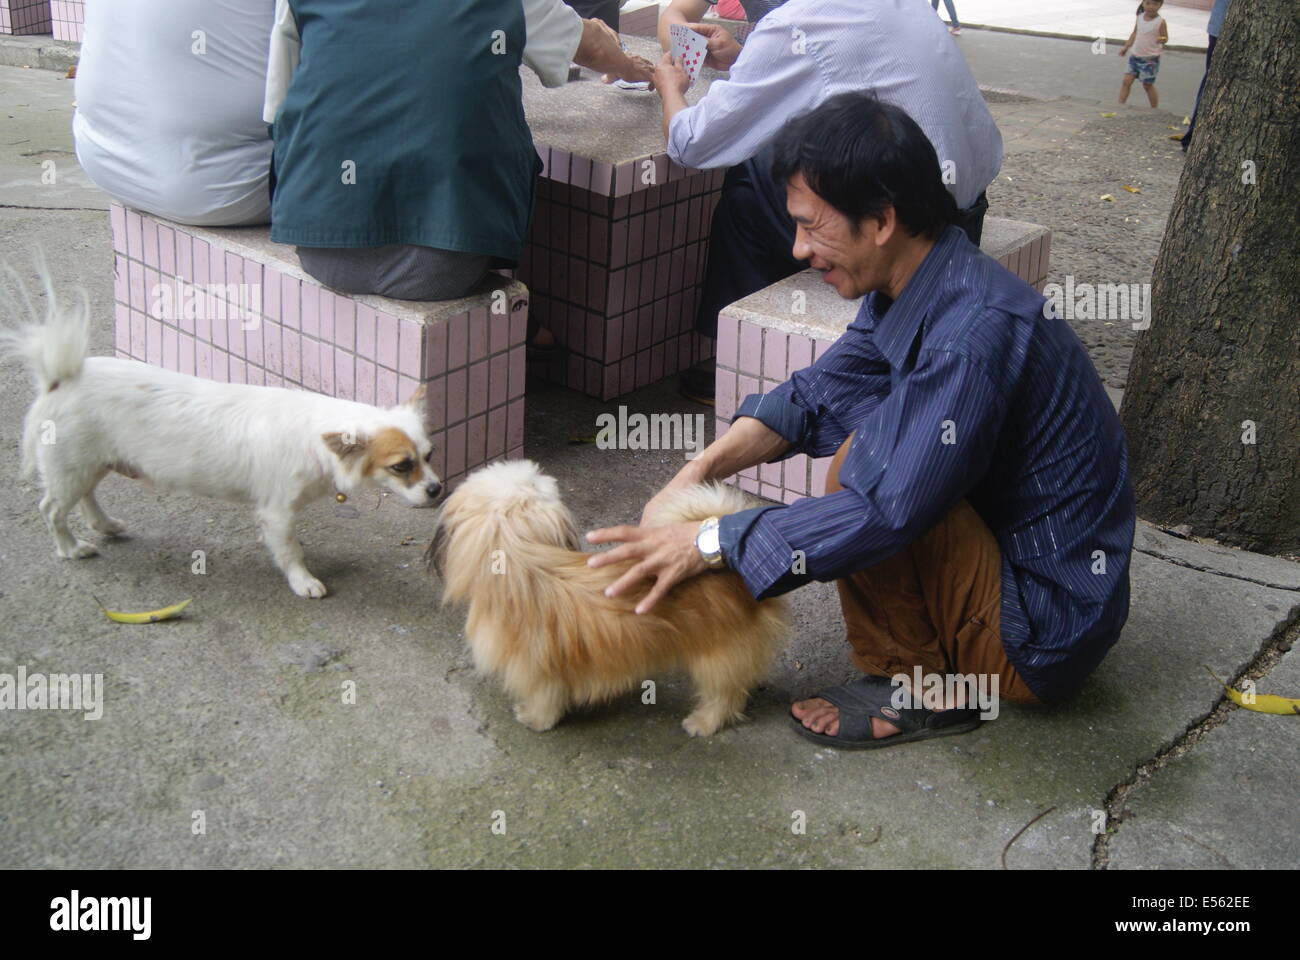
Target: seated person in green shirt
x,y
403,165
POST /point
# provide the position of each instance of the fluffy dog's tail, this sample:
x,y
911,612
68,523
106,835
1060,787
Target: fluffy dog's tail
x,y
701,501
53,348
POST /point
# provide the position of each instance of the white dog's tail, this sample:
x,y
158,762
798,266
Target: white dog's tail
x,y
53,348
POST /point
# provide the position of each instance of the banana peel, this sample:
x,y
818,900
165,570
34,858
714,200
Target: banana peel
x,y
148,616
1263,702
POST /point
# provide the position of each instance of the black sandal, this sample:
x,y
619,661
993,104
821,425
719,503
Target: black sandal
x,y
869,697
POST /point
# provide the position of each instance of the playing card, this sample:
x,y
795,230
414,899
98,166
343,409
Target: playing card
x,y
689,48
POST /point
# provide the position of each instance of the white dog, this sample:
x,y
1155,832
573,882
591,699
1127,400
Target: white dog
x,y
276,449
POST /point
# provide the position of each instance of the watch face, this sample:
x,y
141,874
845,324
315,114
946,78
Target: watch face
x,y
707,541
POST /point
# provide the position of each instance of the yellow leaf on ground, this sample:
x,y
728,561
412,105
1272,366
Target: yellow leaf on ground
x,y
1108,114
148,616
1131,189
1260,702
1107,197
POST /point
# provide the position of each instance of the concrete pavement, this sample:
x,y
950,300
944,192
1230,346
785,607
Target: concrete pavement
x,y
236,712
1083,19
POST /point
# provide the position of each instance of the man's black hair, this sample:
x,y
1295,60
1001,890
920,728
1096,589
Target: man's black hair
x,y
861,155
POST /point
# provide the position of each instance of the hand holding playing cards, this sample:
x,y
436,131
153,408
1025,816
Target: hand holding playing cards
x,y
669,77
688,49
722,46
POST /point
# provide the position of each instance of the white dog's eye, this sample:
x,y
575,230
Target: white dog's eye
x,y
403,466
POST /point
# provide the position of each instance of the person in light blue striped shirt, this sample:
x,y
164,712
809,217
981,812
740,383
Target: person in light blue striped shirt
x,y
978,518
797,56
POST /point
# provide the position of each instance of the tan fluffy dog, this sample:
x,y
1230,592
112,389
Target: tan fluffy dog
x,y
540,621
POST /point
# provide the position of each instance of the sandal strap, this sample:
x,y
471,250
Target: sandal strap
x,y
873,696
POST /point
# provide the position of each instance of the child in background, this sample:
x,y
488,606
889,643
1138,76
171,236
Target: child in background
x,y
955,27
1148,39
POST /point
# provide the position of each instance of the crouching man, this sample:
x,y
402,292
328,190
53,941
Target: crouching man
x,y
978,517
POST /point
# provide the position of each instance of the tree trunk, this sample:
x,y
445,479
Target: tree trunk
x,y
1212,405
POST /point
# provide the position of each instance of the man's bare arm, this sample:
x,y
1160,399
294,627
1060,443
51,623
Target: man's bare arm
x,y
748,443
599,50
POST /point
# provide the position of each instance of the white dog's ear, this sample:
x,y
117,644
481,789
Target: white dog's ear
x,y
419,402
344,445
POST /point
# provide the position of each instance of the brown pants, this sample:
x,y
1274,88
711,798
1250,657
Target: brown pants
x,y
935,604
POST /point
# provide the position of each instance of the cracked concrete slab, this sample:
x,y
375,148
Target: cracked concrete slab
x,y
1217,558
244,692
1230,802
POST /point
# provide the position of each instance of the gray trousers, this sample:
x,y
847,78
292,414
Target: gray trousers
x,y
403,271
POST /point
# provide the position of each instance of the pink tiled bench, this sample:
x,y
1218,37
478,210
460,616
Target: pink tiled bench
x,y
260,320
619,236
614,267
25,16
68,16
762,340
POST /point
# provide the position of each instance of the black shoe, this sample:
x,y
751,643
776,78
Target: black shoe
x,y
698,382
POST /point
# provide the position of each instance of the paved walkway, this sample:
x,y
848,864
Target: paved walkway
x,y
1112,19
236,709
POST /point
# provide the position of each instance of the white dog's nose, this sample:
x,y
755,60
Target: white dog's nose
x,y
433,489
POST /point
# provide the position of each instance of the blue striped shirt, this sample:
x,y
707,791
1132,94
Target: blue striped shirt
x,y
960,388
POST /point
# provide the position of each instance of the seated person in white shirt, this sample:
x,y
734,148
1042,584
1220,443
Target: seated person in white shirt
x,y
797,56
169,107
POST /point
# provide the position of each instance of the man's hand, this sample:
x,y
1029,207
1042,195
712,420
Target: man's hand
x,y
671,79
638,70
722,49
666,555
600,49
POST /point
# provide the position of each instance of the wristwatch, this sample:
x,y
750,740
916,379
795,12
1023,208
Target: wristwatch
x,y
706,541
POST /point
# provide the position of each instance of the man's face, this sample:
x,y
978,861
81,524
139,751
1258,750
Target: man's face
x,y
854,263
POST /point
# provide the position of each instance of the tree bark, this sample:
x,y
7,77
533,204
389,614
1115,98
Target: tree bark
x,y
1220,365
